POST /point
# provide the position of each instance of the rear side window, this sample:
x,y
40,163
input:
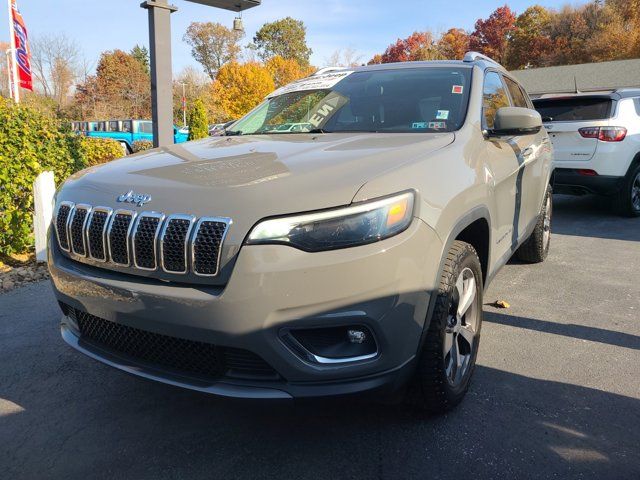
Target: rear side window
x,y
573,109
145,127
516,94
494,97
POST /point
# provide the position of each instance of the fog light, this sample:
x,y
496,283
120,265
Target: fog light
x,y
356,336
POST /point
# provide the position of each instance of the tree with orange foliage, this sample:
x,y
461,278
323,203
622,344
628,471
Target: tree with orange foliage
x,y
454,44
491,36
417,46
240,87
284,71
530,42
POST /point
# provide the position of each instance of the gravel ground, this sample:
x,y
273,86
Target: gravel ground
x,y
556,393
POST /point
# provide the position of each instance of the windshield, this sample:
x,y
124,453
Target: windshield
x,y
431,99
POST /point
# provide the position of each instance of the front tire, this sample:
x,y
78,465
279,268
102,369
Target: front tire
x,y
448,356
536,248
627,200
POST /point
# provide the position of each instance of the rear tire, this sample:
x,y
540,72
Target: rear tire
x,y
627,201
536,248
448,355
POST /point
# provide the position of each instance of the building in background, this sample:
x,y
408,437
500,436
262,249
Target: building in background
x,y
587,77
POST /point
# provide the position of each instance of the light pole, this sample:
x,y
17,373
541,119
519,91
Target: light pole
x,y
184,105
160,56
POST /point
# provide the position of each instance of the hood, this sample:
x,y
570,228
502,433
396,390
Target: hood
x,y
250,178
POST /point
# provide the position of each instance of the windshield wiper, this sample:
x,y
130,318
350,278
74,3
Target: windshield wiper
x,y
317,130
232,133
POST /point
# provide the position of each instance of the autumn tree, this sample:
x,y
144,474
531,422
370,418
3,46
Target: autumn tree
x,y
617,32
417,46
240,87
376,60
198,124
120,88
530,43
286,38
284,71
453,44
491,35
213,45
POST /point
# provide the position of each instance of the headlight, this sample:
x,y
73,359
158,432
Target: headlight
x,y
340,228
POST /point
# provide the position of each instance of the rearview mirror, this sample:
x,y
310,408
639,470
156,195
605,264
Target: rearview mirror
x,y
516,121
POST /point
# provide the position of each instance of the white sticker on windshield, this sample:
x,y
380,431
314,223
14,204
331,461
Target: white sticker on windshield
x,y
442,115
319,82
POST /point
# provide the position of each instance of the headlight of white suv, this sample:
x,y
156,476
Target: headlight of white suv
x,y
359,224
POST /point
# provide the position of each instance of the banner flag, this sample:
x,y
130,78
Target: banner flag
x,y
22,52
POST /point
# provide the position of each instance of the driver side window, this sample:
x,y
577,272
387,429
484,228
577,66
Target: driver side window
x,y
494,97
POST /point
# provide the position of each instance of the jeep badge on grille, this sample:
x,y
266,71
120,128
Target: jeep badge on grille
x,y
137,198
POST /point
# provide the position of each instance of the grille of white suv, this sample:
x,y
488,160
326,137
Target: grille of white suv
x,y
177,244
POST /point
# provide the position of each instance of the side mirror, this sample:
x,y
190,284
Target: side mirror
x,y
512,121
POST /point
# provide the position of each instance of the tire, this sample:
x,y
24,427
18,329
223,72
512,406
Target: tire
x,y
439,382
536,248
627,201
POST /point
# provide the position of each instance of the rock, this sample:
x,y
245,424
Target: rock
x,y
7,285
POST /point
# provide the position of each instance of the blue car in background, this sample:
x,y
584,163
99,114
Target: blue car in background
x,y
128,131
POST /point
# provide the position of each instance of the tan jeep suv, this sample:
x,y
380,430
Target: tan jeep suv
x,y
348,256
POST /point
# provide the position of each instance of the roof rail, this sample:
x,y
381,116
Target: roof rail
x,y
327,70
470,57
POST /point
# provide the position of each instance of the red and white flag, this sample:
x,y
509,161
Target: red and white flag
x,y
22,52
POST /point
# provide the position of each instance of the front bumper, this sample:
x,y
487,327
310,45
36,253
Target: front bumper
x,y
571,181
385,286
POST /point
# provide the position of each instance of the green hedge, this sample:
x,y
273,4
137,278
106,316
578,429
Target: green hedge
x,y
96,151
30,143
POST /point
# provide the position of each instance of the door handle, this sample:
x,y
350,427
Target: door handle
x,y
527,152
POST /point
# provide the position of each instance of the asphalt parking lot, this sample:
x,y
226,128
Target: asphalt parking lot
x,y
556,393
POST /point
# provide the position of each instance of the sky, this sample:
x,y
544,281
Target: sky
x,y
367,26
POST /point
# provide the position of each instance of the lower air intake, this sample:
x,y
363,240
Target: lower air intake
x,y
175,354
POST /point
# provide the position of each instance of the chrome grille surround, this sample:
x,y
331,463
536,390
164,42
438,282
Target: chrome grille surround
x,y
97,230
61,224
114,239
77,229
198,239
172,227
175,244
144,240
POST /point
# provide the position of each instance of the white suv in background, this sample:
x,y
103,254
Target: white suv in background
x,y
596,140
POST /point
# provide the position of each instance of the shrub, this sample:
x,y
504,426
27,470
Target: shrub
x,y
198,125
30,143
141,145
96,151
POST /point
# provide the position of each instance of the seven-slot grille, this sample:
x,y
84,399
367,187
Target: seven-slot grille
x,y
148,241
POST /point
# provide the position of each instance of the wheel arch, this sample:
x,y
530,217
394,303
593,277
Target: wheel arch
x,y
476,220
